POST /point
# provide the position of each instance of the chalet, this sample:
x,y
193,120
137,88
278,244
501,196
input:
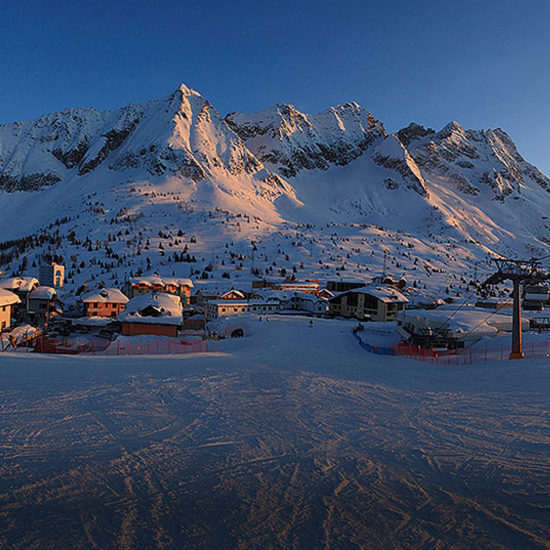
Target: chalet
x,y
159,314
21,287
8,300
164,285
42,304
106,302
206,294
371,302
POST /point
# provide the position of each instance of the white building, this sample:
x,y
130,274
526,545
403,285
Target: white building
x,y
225,308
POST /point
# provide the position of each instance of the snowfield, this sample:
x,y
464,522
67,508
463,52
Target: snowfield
x,y
293,437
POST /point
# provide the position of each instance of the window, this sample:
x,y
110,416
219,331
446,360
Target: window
x,y
370,302
3,325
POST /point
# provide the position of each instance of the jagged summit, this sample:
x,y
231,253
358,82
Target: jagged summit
x,y
289,141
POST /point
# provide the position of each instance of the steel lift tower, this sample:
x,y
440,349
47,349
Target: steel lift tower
x,y
519,272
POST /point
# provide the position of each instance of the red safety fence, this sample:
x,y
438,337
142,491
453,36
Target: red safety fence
x,y
478,354
157,346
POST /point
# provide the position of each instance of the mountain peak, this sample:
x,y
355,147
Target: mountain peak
x,y
412,132
452,127
184,90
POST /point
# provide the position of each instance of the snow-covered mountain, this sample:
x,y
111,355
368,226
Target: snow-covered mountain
x,y
130,190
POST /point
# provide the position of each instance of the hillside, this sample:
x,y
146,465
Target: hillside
x,y
171,185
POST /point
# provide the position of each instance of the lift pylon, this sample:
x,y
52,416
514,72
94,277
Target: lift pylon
x,y
519,272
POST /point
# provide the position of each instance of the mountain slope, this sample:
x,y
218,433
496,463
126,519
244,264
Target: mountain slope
x,y
129,190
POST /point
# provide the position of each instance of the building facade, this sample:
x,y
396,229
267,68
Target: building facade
x,y
8,300
106,302
52,275
369,303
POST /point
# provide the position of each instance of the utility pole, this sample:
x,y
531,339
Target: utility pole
x,y
516,352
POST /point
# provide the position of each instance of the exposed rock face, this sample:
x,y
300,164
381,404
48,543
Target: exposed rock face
x,y
413,132
181,135
392,154
472,160
266,155
28,182
289,141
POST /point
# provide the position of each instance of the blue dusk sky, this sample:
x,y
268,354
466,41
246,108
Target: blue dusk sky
x,y
482,63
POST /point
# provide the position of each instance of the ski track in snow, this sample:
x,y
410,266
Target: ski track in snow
x,y
291,438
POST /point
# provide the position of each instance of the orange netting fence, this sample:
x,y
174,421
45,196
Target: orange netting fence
x,y
478,354
159,346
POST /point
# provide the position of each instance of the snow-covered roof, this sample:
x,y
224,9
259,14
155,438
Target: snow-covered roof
x,y
8,298
106,295
217,291
158,309
386,294
151,280
21,284
307,297
44,293
460,321
265,293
